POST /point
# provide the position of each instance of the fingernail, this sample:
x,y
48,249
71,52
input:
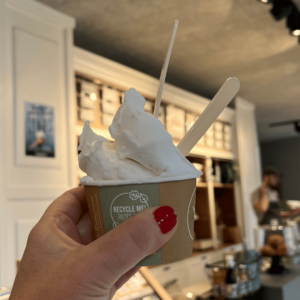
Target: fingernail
x,y
166,218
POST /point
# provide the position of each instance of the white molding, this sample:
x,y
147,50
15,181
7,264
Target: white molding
x,y
18,192
249,164
42,12
237,184
2,126
244,104
71,106
99,67
212,153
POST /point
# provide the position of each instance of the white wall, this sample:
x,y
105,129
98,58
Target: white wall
x,y
36,56
285,156
249,162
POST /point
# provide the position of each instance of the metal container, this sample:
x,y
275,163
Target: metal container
x,y
277,240
247,272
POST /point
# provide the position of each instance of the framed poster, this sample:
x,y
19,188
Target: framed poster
x,y
39,130
37,137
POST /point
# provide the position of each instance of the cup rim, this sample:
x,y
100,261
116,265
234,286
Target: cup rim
x,y
89,181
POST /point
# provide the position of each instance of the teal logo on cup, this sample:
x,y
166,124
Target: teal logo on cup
x,y
122,202
121,211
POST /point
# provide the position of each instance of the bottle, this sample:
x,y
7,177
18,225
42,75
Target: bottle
x,y
231,286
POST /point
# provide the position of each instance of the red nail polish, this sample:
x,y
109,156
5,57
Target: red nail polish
x,y
166,218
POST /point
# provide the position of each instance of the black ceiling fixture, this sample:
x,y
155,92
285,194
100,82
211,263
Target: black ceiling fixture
x,y
266,1
296,124
293,22
281,9
286,9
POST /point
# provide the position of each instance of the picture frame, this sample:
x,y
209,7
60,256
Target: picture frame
x,y
37,135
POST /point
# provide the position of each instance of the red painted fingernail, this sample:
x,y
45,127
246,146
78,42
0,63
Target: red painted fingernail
x,y
166,218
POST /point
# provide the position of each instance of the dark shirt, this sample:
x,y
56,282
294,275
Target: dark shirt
x,y
273,197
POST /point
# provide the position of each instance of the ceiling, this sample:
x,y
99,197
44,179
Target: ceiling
x,y
216,39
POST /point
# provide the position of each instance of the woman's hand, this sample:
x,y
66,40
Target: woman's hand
x,y
61,260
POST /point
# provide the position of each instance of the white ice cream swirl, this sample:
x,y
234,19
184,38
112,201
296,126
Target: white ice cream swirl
x,y
143,151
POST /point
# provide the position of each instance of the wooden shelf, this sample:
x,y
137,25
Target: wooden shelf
x,y
216,185
223,185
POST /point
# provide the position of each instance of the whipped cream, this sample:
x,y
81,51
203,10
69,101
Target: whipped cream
x,y
142,150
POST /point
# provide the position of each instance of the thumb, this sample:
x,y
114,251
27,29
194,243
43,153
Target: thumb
x,y
123,247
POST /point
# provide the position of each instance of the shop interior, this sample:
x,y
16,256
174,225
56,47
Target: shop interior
x,y
66,62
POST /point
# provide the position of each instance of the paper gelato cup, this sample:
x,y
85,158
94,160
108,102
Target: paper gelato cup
x,y
109,206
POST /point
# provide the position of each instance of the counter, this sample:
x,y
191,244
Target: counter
x,y
281,287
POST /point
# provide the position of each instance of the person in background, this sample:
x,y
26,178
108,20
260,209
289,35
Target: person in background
x,y
266,201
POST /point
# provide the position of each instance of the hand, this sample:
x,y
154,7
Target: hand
x,y
264,187
290,213
295,211
61,260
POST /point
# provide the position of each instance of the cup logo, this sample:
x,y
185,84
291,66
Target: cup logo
x,y
126,205
191,215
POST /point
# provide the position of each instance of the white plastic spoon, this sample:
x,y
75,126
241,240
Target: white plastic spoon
x,y
164,71
225,94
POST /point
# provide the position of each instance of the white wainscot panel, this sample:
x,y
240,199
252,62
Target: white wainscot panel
x,y
20,217
23,228
36,67
38,78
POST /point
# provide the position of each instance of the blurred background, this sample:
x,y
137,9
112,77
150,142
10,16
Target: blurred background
x,y
64,62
